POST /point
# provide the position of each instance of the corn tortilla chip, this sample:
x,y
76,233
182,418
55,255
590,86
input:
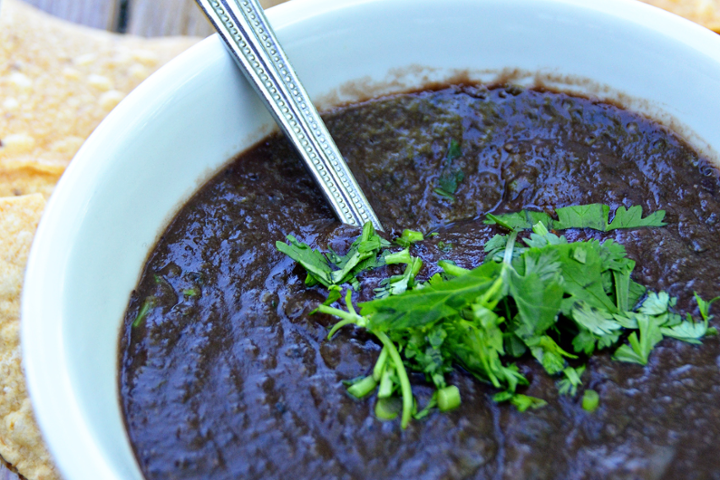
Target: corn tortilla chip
x,y
704,12
20,440
57,82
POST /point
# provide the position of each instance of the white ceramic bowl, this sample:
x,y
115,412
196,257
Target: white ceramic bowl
x,y
187,120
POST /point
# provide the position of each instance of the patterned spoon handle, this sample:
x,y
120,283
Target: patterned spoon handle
x,y
252,42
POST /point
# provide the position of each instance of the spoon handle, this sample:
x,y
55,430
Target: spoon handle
x,y
250,38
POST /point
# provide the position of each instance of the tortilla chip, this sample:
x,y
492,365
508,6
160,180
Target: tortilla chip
x,y
57,82
704,12
17,181
20,440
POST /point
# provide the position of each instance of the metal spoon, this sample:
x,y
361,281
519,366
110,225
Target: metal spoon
x,y
252,42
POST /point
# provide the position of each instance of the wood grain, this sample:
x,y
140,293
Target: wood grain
x,y
147,18
154,18
101,14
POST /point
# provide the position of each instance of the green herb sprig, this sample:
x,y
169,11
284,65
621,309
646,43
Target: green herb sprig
x,y
451,175
331,269
595,216
543,296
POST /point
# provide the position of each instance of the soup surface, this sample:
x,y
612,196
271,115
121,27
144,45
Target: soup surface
x,y
228,376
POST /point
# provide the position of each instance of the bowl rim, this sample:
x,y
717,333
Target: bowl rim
x,y
45,384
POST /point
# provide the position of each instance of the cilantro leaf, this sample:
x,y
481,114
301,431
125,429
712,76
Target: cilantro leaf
x,y
430,304
632,218
584,342
495,246
548,353
398,284
545,263
541,237
593,216
454,151
522,220
687,331
538,302
451,175
655,304
596,321
449,182
444,246
639,349
583,281
704,307
514,345
521,402
361,256
313,261
571,382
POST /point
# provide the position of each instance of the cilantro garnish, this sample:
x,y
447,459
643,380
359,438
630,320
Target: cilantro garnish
x,y
147,305
595,216
332,269
520,401
451,175
409,237
539,295
590,401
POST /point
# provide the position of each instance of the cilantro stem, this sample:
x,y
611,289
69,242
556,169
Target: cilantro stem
x,y
494,219
590,401
508,313
451,269
347,318
454,318
507,258
399,257
338,326
622,289
494,289
380,364
144,310
385,409
409,237
415,265
448,398
348,302
405,387
386,385
362,387
425,411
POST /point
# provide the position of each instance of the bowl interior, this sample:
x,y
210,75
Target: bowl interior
x,y
184,123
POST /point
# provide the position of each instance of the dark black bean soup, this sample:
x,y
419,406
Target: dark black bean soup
x,y
228,376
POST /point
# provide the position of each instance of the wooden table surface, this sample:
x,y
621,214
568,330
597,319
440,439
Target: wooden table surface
x,y
148,18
